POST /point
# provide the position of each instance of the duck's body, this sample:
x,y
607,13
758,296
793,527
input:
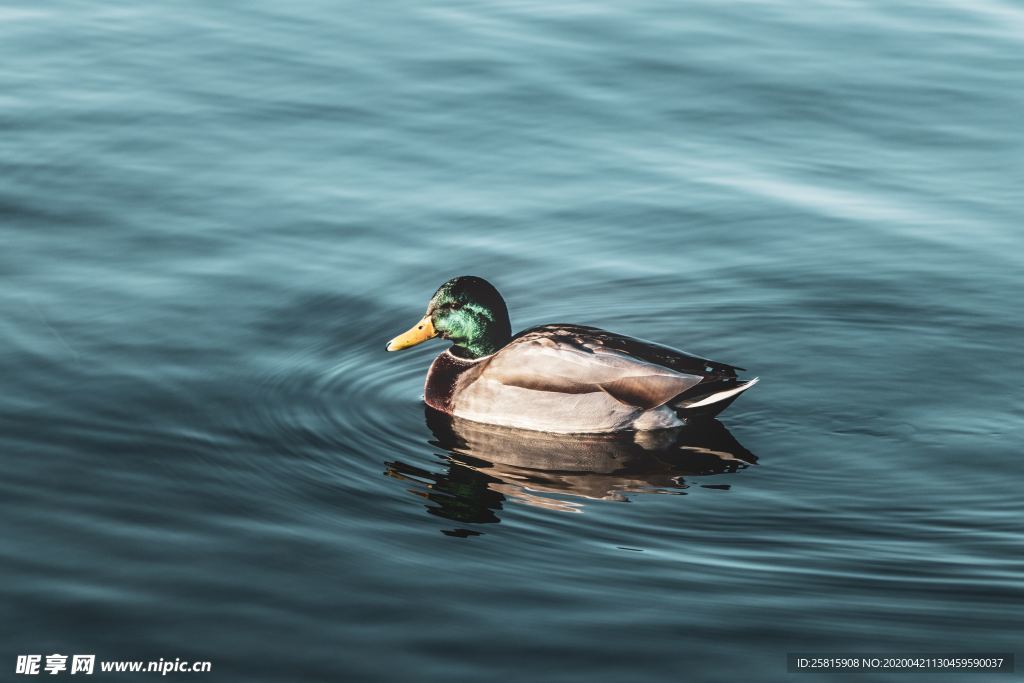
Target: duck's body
x,y
570,378
563,378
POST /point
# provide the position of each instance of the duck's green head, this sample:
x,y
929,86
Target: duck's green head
x,y
466,310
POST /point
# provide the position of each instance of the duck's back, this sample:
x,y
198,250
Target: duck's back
x,y
571,378
590,339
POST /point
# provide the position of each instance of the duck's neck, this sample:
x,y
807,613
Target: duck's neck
x,y
478,347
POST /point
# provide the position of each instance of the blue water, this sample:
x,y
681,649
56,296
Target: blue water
x,y
213,215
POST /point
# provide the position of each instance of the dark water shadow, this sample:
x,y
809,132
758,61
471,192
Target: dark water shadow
x,y
484,466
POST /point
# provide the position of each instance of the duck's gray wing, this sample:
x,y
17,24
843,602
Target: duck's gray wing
x,y
550,382
579,365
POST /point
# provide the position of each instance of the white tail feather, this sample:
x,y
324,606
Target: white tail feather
x,y
721,395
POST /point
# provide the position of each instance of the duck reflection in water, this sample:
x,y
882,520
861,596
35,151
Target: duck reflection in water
x,y
484,465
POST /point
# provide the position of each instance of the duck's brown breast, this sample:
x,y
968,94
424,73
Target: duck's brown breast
x,y
447,373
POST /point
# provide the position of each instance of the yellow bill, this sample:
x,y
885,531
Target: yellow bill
x,y
419,333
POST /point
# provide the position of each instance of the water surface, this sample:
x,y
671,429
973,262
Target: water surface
x,y
214,216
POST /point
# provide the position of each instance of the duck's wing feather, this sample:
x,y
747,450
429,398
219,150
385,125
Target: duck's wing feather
x,y
571,359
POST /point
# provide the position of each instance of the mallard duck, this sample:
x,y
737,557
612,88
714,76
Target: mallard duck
x,y
558,378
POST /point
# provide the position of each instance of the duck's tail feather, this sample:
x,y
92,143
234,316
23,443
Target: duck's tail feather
x,y
709,399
